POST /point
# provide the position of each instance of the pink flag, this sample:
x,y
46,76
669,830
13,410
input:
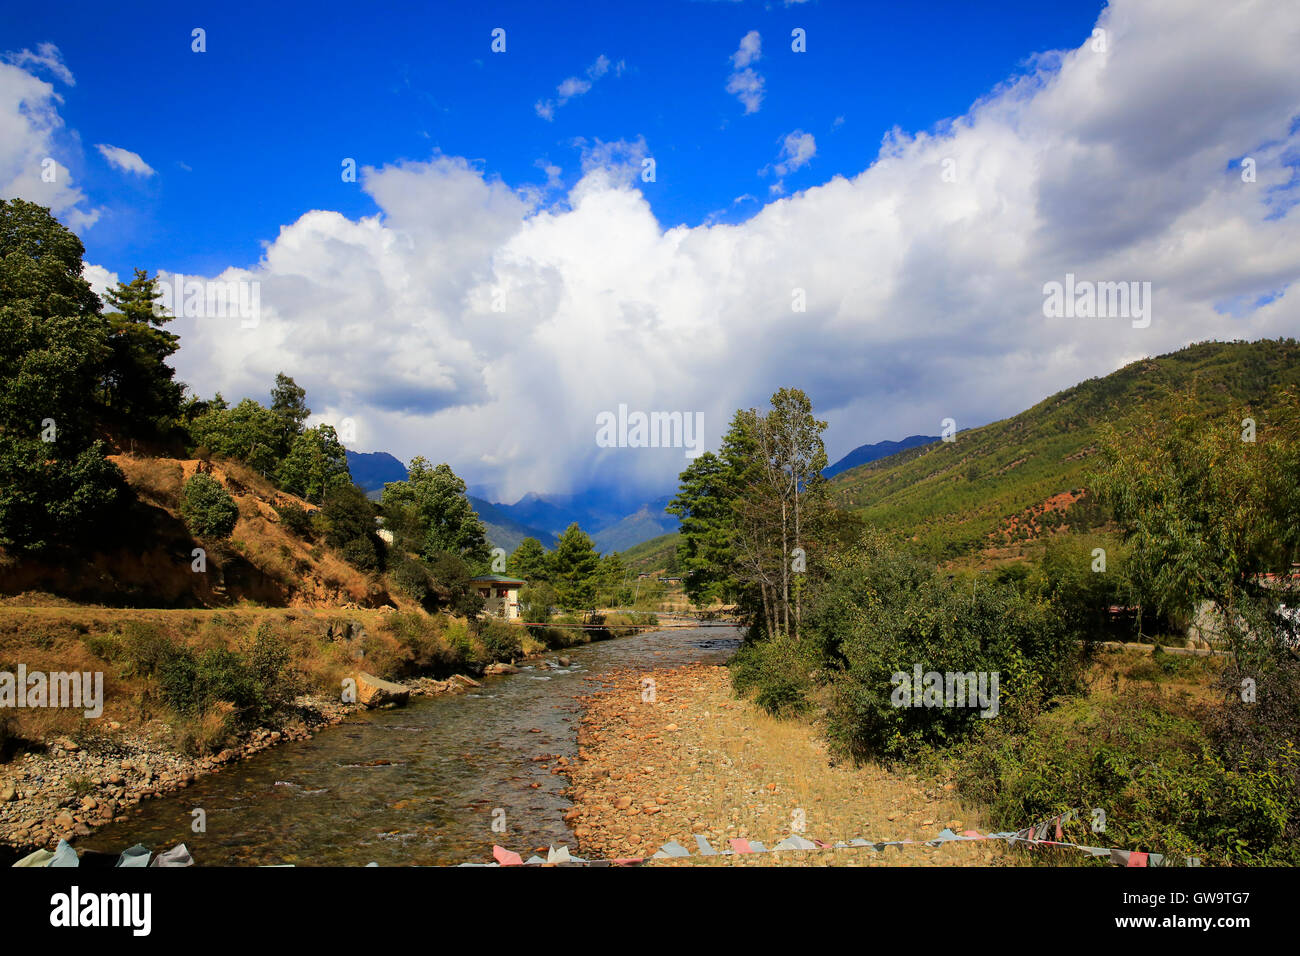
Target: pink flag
x,y
506,857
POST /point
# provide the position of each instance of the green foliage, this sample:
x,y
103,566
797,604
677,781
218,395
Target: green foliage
x,y
257,681
573,568
48,498
613,588
501,641
1156,773
412,579
1205,512
143,648
450,576
294,517
53,349
249,431
1069,577
430,513
876,613
207,508
536,601
777,672
530,561
753,514
425,645
139,389
316,463
347,520
289,406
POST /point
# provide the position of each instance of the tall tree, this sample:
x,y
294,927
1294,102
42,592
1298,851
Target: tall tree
x,y
574,564
289,406
750,513
55,484
139,387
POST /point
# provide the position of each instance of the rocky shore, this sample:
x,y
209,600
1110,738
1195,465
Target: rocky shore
x,y
697,760
68,787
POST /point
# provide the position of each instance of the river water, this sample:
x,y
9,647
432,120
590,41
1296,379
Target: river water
x,y
417,785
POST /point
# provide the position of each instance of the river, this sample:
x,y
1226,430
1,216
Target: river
x,y
419,785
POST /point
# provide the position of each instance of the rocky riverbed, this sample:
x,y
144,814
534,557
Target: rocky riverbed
x,y
697,760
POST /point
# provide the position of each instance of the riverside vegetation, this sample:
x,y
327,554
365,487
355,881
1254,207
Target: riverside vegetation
x,y
1199,521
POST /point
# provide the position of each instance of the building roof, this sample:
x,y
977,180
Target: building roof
x,y
495,579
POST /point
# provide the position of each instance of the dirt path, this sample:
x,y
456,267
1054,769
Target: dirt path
x,y
698,761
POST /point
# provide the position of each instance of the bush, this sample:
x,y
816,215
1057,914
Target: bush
x,y
501,641
450,577
295,517
425,644
875,613
777,672
143,648
254,684
347,520
207,508
361,553
411,579
1155,772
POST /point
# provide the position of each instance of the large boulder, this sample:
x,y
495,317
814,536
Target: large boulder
x,y
376,692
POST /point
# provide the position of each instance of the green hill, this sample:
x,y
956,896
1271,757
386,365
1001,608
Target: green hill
x,y
1012,480
657,554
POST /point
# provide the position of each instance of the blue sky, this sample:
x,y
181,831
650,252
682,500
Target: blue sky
x,y
249,135
876,220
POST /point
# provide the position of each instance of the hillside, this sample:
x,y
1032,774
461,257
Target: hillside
x,y
645,524
1002,484
148,562
657,554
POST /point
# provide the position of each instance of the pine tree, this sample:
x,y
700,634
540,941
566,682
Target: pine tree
x,y
139,387
574,565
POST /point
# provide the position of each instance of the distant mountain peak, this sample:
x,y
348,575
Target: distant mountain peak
x,y
881,449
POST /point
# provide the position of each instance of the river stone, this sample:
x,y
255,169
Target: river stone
x,y
376,692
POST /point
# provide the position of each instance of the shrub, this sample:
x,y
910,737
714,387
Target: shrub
x,y
501,641
143,648
411,579
1154,771
777,672
295,518
361,553
875,612
422,639
207,508
254,683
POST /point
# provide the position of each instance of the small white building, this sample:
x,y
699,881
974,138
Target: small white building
x,y
500,594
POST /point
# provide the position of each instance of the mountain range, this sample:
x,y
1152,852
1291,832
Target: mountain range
x,y
612,524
